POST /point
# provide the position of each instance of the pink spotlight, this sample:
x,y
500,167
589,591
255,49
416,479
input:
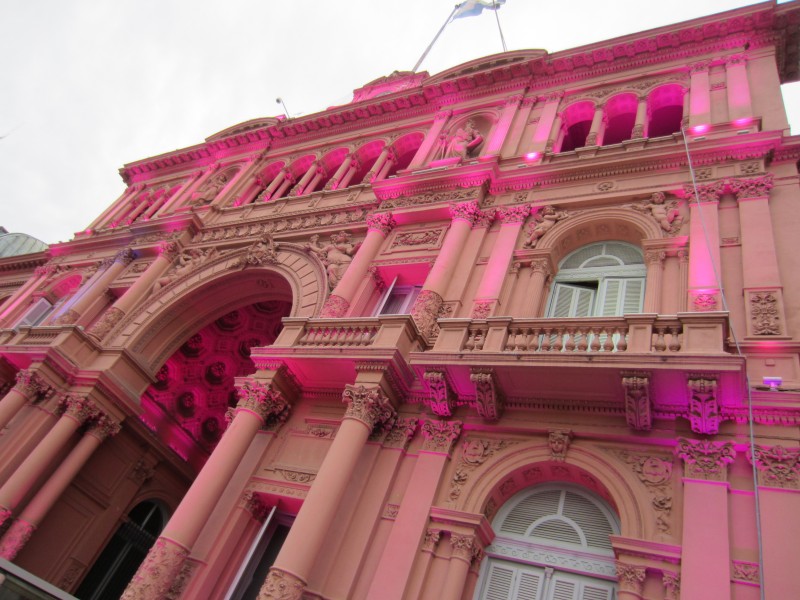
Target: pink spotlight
x,y
697,129
742,122
532,156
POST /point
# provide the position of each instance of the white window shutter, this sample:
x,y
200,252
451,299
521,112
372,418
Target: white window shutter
x,y
499,582
40,309
571,301
634,296
529,585
562,588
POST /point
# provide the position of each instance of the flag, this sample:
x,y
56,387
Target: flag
x,y
472,8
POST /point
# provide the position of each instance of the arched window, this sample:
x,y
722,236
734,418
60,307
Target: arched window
x,y
620,115
605,279
117,563
552,543
665,110
576,124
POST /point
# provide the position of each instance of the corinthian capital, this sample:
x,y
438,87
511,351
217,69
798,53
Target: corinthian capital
x,y
705,459
29,383
440,435
514,214
466,211
368,405
757,187
79,407
383,222
264,401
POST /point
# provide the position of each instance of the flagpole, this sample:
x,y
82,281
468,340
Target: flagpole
x,y
496,16
428,49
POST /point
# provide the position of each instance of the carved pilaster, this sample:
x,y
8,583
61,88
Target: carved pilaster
x,y
440,435
401,433
461,546
370,406
281,585
265,401
672,585
631,578
104,427
777,466
442,398
638,406
704,459
704,415
559,440
488,396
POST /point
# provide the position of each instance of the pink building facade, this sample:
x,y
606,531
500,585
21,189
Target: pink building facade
x,y
527,328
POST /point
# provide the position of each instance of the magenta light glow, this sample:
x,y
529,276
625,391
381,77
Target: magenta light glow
x,y
742,122
532,156
697,129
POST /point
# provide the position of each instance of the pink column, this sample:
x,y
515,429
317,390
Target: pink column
x,y
95,287
534,290
367,409
654,259
319,175
117,207
458,569
297,190
488,294
594,138
546,133
431,139
22,529
167,253
287,181
391,159
704,259
28,385
740,108
631,581
77,409
426,306
377,166
281,178
706,554
699,95
503,125
393,572
641,118
378,227
188,187
257,404
779,487
333,182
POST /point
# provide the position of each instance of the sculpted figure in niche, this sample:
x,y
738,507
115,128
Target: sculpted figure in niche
x,y
665,213
464,142
186,262
544,221
210,189
335,255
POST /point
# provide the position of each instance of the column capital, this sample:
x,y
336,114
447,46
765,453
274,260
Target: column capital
x,y
705,459
168,250
465,211
265,401
462,546
541,265
513,214
368,405
401,433
553,96
29,383
734,59
513,100
757,187
654,257
125,256
382,222
281,585
78,406
631,578
672,585
104,427
443,115
440,435
432,537
699,67
704,192
777,466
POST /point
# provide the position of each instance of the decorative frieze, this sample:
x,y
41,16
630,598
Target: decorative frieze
x,y
705,459
370,406
704,413
777,466
440,435
428,238
765,313
489,399
442,398
638,406
470,193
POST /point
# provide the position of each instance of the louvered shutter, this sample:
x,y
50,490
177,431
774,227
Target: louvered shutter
x,y
621,296
529,585
572,301
40,309
562,588
499,582
634,296
593,592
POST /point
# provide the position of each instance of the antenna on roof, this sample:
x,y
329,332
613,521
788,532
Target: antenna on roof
x,y
279,100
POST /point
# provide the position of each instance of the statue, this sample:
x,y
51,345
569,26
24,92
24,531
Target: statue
x,y
335,255
665,213
263,251
186,262
463,142
544,221
212,187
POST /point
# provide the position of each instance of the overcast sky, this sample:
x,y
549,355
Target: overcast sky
x,y
89,85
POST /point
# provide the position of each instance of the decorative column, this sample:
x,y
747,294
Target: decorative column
x,y
393,572
457,570
22,294
36,510
740,108
488,295
333,182
704,256
95,287
654,259
547,130
377,166
631,581
683,279
431,139
279,182
761,279
77,410
699,95
188,187
594,131
503,124
430,299
641,118
348,175
257,405
298,189
541,270
378,227
706,555
167,252
779,494
28,386
391,159
367,409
